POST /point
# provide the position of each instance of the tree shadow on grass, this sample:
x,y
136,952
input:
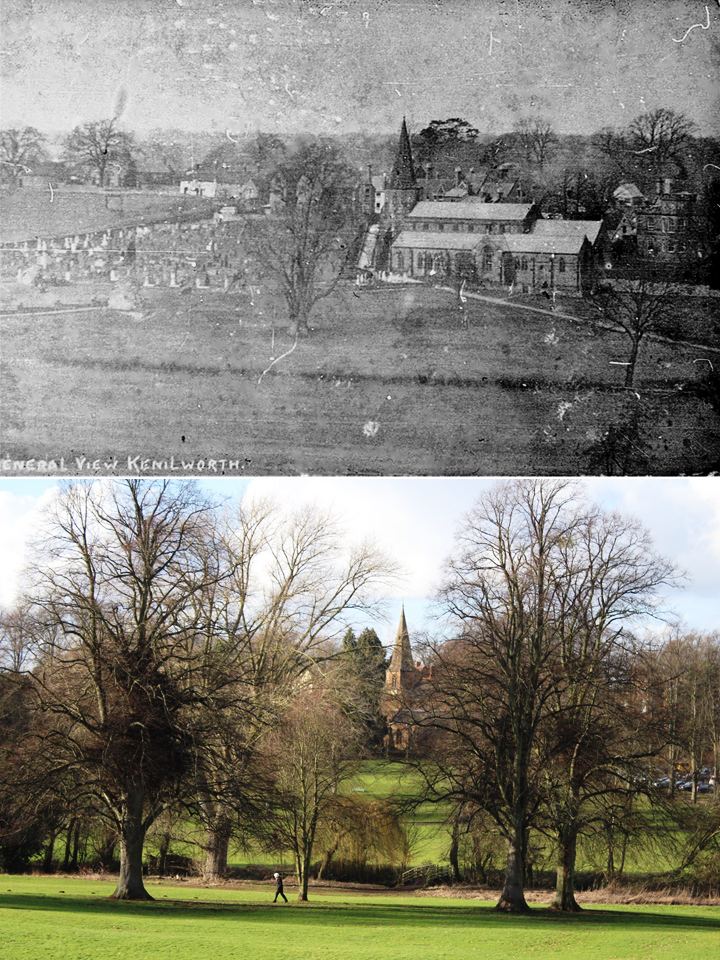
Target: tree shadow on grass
x,y
417,916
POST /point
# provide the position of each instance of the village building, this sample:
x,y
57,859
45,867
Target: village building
x,y
666,230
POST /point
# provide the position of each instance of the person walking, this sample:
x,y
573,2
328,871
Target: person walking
x,y
279,889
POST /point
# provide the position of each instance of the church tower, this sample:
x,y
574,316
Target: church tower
x,y
403,191
401,195
402,674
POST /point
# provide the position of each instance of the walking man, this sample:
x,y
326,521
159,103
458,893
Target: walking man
x,y
279,889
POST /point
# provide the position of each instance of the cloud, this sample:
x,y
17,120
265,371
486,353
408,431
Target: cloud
x,y
19,517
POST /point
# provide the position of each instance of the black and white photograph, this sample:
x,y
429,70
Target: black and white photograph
x,y
434,237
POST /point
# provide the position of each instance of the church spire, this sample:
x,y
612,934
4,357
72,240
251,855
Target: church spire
x,y
403,173
402,659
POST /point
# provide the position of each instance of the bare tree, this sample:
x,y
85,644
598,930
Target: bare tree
x,y
537,139
115,576
309,236
99,145
310,756
660,137
639,306
292,580
541,588
20,149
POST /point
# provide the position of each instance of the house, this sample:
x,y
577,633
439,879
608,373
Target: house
x,y
43,173
501,185
372,194
194,186
666,229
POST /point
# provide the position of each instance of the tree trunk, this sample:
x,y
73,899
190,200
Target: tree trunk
x,y
454,850
512,898
630,369
132,838
68,845
75,848
565,881
217,844
48,855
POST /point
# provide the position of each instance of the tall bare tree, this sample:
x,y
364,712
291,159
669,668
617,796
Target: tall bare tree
x,y
541,588
292,581
309,235
309,757
639,306
537,139
99,145
659,137
115,576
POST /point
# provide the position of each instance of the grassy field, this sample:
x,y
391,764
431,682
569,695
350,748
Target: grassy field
x,y
47,919
391,381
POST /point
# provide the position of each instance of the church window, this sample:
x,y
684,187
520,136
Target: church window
x,y
561,265
426,226
394,682
441,227
488,228
456,227
487,259
471,228
400,261
671,224
524,263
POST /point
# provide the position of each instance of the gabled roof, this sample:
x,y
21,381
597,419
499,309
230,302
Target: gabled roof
x,y
434,240
470,209
378,183
532,243
569,228
627,191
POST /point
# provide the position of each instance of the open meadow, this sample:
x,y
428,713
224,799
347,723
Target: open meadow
x,y
46,918
392,380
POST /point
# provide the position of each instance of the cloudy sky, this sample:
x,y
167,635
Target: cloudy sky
x,y
322,65
414,521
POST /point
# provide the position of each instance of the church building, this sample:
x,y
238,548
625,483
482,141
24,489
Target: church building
x,y
402,679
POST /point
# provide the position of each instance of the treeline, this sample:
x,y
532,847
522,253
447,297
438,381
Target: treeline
x,y
173,662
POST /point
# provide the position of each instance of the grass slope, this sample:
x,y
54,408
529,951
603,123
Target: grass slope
x,y
508,393
46,919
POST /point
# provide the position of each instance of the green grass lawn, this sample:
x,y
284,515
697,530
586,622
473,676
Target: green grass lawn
x,y
62,919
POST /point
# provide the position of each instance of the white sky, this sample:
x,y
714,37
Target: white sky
x,y
414,519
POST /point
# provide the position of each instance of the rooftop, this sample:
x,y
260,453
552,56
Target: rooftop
x,y
432,240
532,243
568,228
470,209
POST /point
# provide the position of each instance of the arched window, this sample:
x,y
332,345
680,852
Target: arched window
x,y
400,261
487,261
524,263
561,265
